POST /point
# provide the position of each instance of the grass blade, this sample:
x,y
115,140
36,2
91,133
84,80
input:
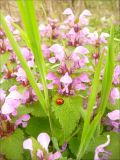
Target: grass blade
x,y
106,86
92,100
23,34
108,73
30,23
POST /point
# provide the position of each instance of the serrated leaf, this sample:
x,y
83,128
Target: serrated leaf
x,y
33,108
68,114
12,147
37,125
22,109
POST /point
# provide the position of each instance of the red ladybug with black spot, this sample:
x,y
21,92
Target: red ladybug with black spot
x,y
60,101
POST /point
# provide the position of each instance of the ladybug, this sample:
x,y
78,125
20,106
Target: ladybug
x,y
59,101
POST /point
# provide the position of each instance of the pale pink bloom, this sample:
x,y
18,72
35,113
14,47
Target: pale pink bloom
x,y
84,78
22,120
45,31
2,95
54,156
28,56
100,150
12,101
44,140
103,37
27,144
46,51
68,11
10,20
83,21
114,95
71,17
21,76
7,45
66,80
58,51
81,50
55,80
116,76
97,40
114,115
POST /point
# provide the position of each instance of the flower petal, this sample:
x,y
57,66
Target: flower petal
x,y
27,144
44,140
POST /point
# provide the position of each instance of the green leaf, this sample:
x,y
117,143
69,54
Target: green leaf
x,y
74,145
12,146
55,143
8,83
24,109
34,108
3,59
37,110
37,125
68,114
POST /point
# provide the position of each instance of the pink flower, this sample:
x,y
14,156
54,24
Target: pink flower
x,y
83,21
114,95
45,31
114,118
84,78
58,51
44,140
28,56
66,81
23,120
12,101
46,51
116,76
97,40
81,50
79,56
2,96
100,150
21,76
114,115
68,11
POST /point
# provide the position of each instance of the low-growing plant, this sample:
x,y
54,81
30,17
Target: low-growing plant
x,y
59,88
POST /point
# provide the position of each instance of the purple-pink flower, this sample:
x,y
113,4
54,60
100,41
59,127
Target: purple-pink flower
x,y
12,101
42,152
22,120
101,151
114,95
